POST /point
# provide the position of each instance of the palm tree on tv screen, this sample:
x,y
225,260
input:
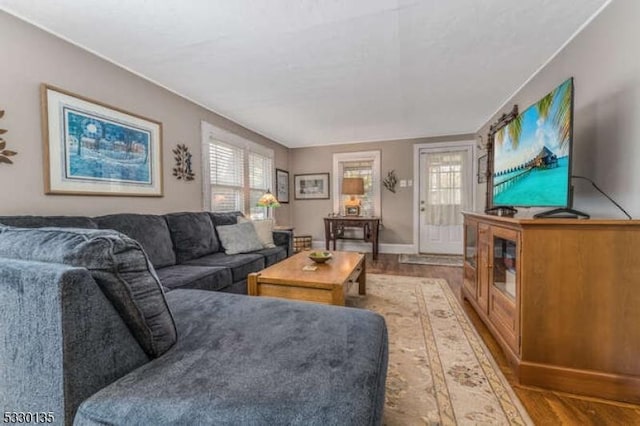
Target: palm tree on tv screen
x,y
561,117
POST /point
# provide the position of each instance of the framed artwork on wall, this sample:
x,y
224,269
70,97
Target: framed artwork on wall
x,y
91,148
312,186
282,186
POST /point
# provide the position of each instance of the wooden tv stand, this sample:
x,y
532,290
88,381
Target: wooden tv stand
x,y
562,298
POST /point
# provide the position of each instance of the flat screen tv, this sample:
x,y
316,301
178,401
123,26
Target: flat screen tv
x,y
532,154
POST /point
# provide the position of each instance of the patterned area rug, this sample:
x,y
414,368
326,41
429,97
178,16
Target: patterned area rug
x,y
431,259
440,371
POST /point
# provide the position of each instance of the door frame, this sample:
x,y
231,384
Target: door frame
x,y
441,146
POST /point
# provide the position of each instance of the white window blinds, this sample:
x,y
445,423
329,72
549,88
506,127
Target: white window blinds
x,y
226,163
239,172
260,172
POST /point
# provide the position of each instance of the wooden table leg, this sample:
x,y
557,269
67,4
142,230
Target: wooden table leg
x,y
252,284
362,279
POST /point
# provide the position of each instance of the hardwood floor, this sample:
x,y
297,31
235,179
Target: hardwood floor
x,y
545,407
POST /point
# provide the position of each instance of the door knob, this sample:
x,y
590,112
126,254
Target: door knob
x,y
422,209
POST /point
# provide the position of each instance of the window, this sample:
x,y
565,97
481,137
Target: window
x,y
365,165
239,172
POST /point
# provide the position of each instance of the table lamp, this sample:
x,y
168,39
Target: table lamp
x,y
353,187
268,200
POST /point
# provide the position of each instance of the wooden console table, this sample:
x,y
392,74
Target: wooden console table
x,y
334,230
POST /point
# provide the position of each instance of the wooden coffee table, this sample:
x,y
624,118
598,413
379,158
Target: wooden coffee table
x,y
328,284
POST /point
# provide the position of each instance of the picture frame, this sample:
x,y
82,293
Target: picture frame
x,y
91,148
482,168
352,210
282,186
311,186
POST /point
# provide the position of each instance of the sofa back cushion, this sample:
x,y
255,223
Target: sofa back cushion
x,y
192,234
44,221
117,264
151,231
225,218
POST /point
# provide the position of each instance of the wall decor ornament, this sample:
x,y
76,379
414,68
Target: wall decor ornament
x,y
5,153
483,168
391,181
91,148
183,169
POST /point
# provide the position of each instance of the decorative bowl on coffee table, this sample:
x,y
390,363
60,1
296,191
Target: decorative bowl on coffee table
x,y
319,256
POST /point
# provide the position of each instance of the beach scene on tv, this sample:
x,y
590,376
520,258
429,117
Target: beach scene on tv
x,y
103,150
531,154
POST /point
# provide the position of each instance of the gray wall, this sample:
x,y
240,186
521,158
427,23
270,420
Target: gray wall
x,y
604,60
31,56
397,209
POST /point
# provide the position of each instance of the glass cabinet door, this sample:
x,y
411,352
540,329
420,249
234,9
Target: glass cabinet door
x,y
505,264
504,285
469,280
470,243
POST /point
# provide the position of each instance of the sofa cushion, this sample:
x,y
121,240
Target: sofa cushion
x,y
151,231
44,221
196,277
192,234
273,255
117,264
224,218
264,229
255,361
241,265
239,238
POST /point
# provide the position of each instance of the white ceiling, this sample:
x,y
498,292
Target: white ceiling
x,y
316,72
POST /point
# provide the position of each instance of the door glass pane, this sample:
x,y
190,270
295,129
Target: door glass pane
x,y
445,193
504,266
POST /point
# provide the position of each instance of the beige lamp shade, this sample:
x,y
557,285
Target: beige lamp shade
x,y
353,186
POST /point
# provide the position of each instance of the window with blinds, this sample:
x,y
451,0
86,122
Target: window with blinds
x,y
260,170
362,164
226,165
364,170
240,172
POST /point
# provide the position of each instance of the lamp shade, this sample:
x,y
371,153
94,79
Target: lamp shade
x,y
268,200
353,186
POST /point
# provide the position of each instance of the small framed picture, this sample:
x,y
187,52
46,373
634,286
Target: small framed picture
x,y
282,186
311,186
352,211
482,168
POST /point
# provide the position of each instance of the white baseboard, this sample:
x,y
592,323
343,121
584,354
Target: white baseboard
x,y
366,247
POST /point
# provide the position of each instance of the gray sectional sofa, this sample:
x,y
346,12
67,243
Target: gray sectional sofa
x,y
183,247
90,335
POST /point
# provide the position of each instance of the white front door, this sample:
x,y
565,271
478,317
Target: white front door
x,y
445,190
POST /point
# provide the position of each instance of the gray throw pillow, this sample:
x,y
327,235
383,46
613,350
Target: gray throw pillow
x,y
240,238
118,265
